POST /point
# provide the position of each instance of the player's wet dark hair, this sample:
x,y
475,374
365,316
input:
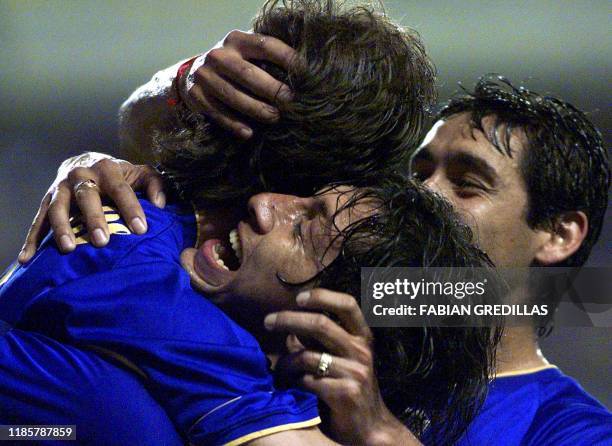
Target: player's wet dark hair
x,y
565,165
361,90
361,85
432,376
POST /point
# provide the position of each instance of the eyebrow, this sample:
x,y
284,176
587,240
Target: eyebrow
x,y
463,159
476,164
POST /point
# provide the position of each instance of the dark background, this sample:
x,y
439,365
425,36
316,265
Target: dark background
x,y
65,67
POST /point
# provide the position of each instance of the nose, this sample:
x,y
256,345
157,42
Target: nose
x,y
268,210
437,184
432,183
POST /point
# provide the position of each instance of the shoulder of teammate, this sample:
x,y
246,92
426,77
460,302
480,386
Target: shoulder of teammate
x,y
568,415
169,230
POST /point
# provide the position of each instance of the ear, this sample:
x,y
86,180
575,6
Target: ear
x,y
565,238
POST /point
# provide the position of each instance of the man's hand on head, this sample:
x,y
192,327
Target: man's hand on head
x,y
225,85
84,179
344,378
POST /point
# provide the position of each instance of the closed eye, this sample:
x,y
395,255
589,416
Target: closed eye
x,y
469,184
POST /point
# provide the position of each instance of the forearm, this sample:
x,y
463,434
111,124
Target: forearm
x,y
145,112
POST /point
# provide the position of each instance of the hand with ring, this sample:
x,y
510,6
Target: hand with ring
x,y
324,364
83,180
341,370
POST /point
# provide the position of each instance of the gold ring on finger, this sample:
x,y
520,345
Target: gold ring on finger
x,y
85,184
324,364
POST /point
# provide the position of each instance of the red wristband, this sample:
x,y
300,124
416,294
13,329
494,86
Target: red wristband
x,y
175,99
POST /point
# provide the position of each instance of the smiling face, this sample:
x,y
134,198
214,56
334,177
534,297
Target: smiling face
x,y
284,239
484,185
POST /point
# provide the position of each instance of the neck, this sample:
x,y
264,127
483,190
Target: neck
x,y
519,350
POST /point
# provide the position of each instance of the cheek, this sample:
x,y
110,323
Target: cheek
x,y
257,278
260,289
506,238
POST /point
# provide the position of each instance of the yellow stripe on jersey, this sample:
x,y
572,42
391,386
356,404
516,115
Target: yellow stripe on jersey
x,y
524,371
112,219
273,430
9,273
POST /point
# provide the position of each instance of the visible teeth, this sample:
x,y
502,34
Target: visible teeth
x,y
234,239
218,249
221,264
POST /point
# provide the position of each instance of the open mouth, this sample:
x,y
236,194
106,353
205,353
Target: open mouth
x,y
227,254
218,259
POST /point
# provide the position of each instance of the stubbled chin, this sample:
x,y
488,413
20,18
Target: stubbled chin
x,y
188,261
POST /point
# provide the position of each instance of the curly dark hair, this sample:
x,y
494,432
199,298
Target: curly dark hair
x,y
565,165
362,87
430,377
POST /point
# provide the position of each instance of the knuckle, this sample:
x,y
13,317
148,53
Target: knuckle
x,y
213,56
363,354
261,41
233,36
351,391
76,174
105,164
361,374
319,322
288,55
282,319
94,220
59,225
224,93
349,304
246,71
321,294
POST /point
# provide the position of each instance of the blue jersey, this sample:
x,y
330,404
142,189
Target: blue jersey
x,y
132,302
541,408
43,381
